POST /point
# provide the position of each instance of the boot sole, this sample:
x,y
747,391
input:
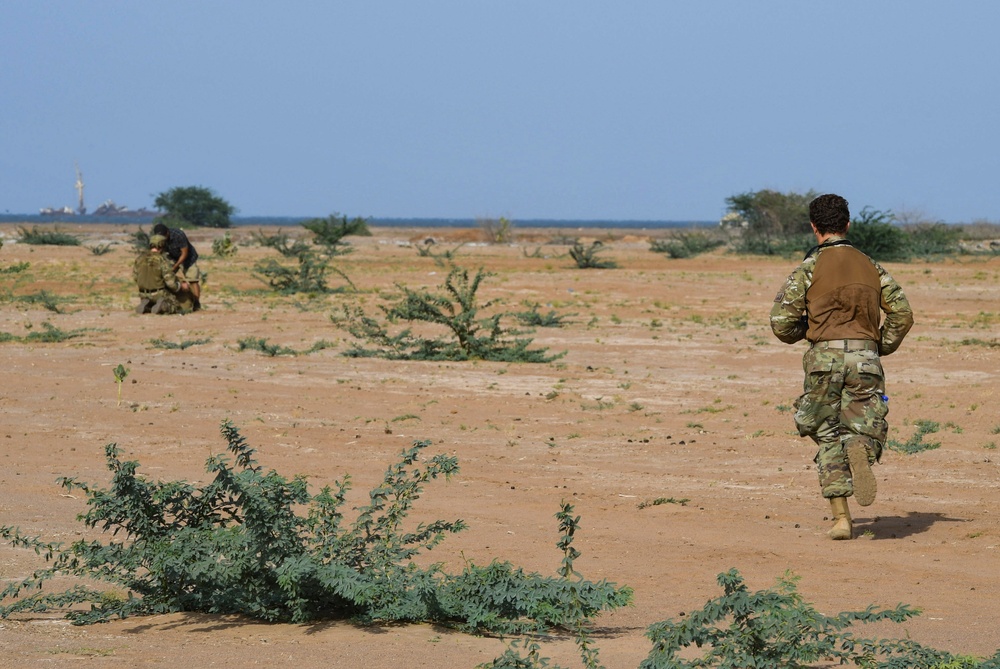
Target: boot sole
x,y
865,485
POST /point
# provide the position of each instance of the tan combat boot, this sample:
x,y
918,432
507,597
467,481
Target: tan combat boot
x,y
842,514
865,485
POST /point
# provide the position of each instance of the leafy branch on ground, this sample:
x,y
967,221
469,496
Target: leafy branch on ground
x,y
274,350
179,346
768,629
664,500
776,629
255,543
44,299
49,334
469,336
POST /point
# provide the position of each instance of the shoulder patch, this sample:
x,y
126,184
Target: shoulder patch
x,y
780,296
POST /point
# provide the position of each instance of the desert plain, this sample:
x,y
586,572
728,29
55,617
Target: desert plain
x,y
671,387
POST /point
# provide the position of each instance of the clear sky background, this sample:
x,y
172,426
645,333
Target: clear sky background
x,y
562,109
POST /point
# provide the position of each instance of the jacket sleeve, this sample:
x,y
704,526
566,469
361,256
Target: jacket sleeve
x,y
169,278
898,314
787,322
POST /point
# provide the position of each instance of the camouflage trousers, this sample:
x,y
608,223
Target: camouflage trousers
x,y
164,302
844,401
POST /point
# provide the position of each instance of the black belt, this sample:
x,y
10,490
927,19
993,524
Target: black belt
x,y
848,344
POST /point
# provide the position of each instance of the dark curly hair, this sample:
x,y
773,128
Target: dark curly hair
x,y
830,214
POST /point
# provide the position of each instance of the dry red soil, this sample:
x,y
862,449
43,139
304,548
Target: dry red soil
x,y
671,386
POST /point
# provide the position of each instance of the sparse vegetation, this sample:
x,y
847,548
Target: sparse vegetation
x,y
52,237
497,230
121,371
916,443
586,256
240,544
224,246
685,244
469,336
180,346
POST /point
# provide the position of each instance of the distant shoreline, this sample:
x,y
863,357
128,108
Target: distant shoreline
x,y
244,221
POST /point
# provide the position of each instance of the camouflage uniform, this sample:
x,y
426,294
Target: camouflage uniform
x,y
159,289
844,390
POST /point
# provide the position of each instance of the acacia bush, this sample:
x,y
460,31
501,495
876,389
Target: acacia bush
x,y
255,543
468,336
767,629
52,237
776,223
685,244
874,233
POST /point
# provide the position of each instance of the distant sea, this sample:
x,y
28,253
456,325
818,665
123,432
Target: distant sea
x,y
375,222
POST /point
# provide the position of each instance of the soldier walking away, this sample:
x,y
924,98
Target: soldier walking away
x,y
835,299
183,255
160,292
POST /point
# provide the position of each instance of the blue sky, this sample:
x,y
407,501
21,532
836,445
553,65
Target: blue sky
x,y
557,109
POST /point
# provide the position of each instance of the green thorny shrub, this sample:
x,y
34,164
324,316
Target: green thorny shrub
x,y
255,543
470,337
685,244
586,256
313,261
771,629
46,237
874,233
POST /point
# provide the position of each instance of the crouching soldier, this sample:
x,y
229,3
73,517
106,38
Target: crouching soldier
x,y
160,292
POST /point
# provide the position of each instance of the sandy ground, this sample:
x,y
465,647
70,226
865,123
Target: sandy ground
x,y
671,387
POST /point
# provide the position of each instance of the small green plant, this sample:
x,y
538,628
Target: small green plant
x,y
224,246
16,268
46,237
916,443
497,230
309,277
100,249
469,336
180,346
586,256
44,299
121,372
534,318
50,334
260,344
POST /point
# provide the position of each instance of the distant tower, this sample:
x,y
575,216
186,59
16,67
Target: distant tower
x,y
81,209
